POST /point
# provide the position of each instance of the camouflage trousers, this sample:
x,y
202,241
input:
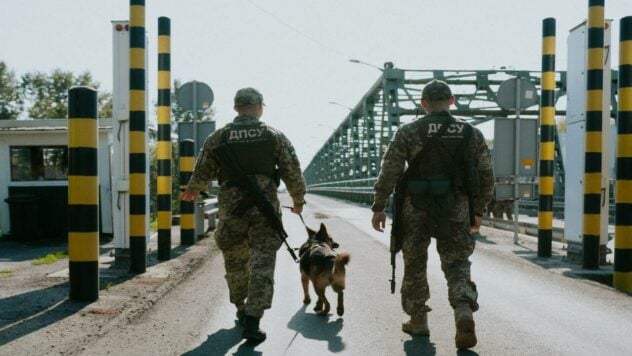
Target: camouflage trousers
x,y
249,246
454,251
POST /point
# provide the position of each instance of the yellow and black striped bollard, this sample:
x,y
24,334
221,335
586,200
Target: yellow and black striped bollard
x,y
83,194
547,139
163,150
622,277
187,209
137,141
593,138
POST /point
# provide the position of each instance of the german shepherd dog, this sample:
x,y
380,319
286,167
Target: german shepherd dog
x,y
323,266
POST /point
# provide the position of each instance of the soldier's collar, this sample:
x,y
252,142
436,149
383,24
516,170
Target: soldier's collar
x,y
245,118
440,113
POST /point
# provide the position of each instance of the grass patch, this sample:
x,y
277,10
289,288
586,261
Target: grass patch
x,y
5,272
153,225
50,258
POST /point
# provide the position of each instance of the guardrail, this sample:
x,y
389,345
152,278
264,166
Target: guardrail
x,y
355,190
523,227
530,207
361,191
209,209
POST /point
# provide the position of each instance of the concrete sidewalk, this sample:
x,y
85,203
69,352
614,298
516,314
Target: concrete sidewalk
x,y
496,241
36,314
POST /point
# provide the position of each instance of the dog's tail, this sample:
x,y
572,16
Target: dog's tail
x,y
338,277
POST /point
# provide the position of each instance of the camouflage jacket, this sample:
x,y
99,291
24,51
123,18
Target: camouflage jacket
x,y
207,165
405,146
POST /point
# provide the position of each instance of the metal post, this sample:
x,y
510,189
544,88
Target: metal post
x,y
163,151
198,220
83,194
195,117
547,138
622,276
593,139
516,201
187,209
137,139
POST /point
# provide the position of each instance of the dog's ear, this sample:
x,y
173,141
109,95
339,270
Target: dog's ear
x,y
322,235
323,229
310,232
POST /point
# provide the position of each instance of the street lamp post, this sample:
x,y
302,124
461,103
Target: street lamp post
x,y
367,64
387,65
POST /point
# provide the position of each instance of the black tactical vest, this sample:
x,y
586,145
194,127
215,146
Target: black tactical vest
x,y
253,146
444,156
439,171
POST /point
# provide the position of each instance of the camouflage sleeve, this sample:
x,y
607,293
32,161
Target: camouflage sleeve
x,y
485,172
290,170
206,166
393,164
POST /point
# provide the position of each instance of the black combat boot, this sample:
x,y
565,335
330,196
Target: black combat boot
x,y
251,330
465,328
241,313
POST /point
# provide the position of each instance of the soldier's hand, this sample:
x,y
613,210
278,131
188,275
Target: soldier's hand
x,y
297,209
188,196
477,221
379,221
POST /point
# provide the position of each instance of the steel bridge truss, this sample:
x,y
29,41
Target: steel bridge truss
x,y
349,162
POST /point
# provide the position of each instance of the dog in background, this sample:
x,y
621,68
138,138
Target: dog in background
x,y
323,266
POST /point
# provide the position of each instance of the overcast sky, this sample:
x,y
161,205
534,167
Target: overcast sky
x,y
296,52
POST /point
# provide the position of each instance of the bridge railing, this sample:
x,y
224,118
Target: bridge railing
x,y
355,190
361,191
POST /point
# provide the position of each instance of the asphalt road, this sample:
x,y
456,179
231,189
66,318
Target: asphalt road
x,y
526,309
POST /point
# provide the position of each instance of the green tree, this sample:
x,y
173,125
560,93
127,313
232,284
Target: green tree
x,y
47,93
177,112
104,103
11,103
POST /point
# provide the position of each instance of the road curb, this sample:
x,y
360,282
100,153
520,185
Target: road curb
x,y
66,327
154,285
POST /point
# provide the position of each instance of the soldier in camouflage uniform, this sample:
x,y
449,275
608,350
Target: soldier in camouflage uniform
x,y
248,242
447,219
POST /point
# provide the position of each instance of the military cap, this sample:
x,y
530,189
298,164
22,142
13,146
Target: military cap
x,y
436,90
248,96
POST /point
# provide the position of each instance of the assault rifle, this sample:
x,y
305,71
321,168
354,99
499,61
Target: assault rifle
x,y
248,182
397,207
396,233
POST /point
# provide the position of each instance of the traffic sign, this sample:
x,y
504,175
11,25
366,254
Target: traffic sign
x,y
507,94
195,96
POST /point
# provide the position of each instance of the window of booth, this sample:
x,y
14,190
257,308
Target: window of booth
x,y
37,163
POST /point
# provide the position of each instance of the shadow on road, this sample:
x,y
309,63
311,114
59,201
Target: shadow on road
x,y
419,345
559,261
317,327
152,256
13,251
25,313
483,239
221,341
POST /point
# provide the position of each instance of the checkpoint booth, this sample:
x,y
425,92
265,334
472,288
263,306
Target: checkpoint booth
x,y
34,178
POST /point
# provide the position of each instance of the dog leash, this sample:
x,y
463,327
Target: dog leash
x,y
299,215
